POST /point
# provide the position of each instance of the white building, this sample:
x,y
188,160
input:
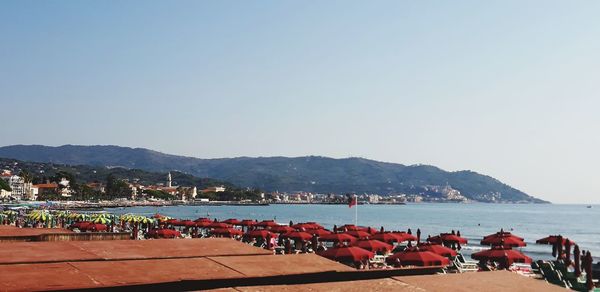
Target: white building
x,y
16,183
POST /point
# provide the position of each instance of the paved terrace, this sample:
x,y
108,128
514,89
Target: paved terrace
x,y
225,264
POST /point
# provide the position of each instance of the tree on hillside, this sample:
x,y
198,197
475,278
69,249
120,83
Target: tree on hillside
x,y
4,185
116,188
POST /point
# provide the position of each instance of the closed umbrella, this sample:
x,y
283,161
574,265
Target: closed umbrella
x,y
577,256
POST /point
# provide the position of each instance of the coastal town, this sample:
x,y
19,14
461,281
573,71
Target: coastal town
x,y
20,186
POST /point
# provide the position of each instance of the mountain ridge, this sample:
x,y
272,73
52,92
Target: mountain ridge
x,y
287,174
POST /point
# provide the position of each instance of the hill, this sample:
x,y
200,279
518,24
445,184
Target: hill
x,y
310,173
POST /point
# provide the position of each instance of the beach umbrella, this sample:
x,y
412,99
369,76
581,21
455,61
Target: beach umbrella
x,y
202,224
319,232
373,245
298,235
128,218
452,238
552,239
259,233
229,232
315,224
282,229
347,254
337,237
503,255
404,236
39,215
352,227
503,233
387,237
188,223
266,223
172,221
306,226
217,225
232,221
417,258
163,233
436,248
81,225
358,234
144,220
101,220
248,222
506,241
95,227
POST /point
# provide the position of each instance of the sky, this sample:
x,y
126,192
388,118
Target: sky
x,y
510,89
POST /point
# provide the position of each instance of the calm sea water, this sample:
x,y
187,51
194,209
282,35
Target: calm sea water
x,y
473,220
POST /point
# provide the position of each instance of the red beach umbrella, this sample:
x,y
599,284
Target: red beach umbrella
x,y
315,224
503,233
418,258
387,237
350,227
552,239
189,223
282,229
452,238
298,235
506,241
347,254
319,232
266,223
248,222
373,245
359,234
203,224
403,236
437,249
261,233
218,225
163,233
337,237
502,254
306,226
229,232
174,222
81,225
232,221
96,227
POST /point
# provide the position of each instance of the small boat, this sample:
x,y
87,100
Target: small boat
x,y
589,206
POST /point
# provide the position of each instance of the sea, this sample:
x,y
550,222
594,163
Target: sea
x,y
475,220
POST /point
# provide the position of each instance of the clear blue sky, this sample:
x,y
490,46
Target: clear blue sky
x,y
506,88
